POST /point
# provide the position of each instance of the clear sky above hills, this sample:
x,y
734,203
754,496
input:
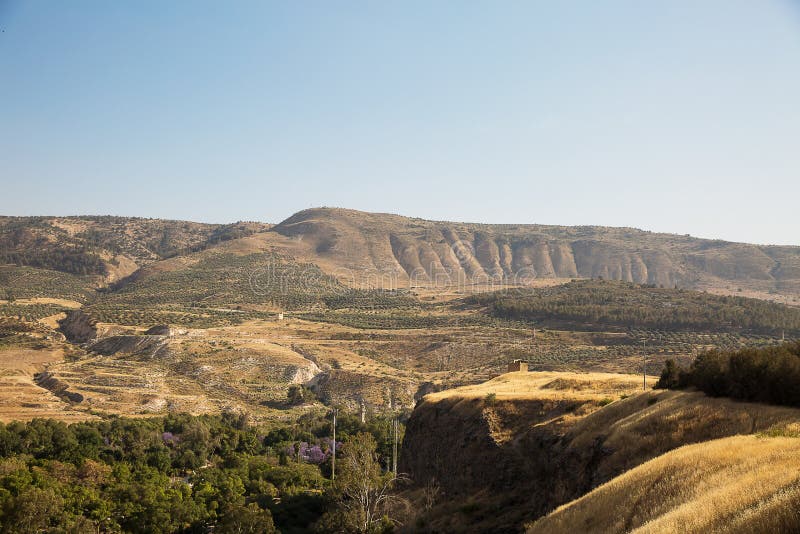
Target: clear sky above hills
x,y
679,116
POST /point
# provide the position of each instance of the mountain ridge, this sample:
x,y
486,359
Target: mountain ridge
x,y
389,250
419,250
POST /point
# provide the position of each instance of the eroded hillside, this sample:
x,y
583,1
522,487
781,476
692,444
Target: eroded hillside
x,y
390,251
431,252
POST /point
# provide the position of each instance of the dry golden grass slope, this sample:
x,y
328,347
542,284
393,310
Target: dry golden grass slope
x,y
739,484
547,385
517,447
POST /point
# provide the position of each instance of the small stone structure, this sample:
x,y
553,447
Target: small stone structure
x,y
518,366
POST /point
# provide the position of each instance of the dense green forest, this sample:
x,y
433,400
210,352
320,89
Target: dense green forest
x,y
184,473
626,305
769,374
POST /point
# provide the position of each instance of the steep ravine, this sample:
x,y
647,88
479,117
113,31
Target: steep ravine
x,y
514,460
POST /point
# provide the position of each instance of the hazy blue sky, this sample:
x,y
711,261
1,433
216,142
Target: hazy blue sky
x,y
679,115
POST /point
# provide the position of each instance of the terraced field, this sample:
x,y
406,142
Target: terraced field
x,y
248,364
22,397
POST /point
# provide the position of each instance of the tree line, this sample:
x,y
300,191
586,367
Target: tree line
x,y
770,375
193,474
640,306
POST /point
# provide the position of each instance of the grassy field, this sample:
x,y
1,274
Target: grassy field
x,y
548,385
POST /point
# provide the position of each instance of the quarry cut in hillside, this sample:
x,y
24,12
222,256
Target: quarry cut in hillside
x,y
525,443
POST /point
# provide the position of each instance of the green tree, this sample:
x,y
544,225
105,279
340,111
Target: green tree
x,y
364,492
299,394
33,510
248,519
670,376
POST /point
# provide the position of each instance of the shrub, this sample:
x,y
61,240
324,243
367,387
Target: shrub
x,y
670,376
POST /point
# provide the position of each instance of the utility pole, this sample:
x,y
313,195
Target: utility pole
x,y
333,448
644,365
394,446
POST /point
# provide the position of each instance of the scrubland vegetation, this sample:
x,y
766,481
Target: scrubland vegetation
x,y
30,312
28,282
85,245
228,279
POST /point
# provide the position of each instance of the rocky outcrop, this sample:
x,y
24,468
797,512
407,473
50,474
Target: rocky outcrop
x,y
146,347
159,330
304,374
351,389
